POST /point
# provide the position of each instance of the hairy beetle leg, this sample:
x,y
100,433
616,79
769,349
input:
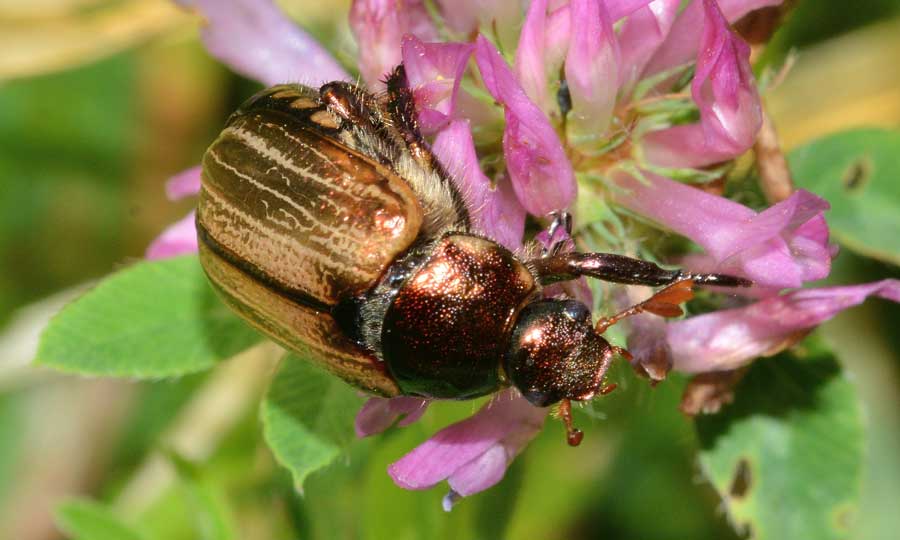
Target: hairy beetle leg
x,y
346,101
402,110
400,105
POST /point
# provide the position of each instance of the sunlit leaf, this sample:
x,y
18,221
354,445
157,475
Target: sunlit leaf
x,y
856,171
786,456
206,502
12,431
83,519
307,416
153,319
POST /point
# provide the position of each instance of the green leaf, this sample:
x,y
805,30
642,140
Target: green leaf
x,y
84,519
786,456
82,191
156,406
206,501
307,417
12,433
153,319
856,171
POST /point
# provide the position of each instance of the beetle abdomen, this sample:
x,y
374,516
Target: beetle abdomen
x,y
307,213
446,330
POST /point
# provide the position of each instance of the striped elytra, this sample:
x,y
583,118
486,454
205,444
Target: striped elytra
x,y
313,216
292,221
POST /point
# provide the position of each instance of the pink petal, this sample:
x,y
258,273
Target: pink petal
x,y
683,41
592,70
784,246
530,63
648,345
502,17
460,15
508,420
729,339
488,469
781,247
641,35
810,248
257,40
558,29
482,472
378,414
184,184
544,41
379,25
725,92
538,167
622,8
433,71
495,210
178,239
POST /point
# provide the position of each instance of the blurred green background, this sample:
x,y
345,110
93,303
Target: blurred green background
x,y
101,101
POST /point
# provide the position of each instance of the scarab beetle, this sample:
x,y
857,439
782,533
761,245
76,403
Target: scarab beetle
x,y
325,221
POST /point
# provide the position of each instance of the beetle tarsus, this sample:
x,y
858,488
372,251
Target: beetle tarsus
x,y
665,303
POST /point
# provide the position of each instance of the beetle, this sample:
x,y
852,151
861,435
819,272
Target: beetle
x,y
325,222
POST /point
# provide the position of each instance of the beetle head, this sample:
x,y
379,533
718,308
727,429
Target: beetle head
x,y
555,353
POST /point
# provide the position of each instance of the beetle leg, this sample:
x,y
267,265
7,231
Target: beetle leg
x,y
348,102
573,434
605,363
401,107
621,269
664,303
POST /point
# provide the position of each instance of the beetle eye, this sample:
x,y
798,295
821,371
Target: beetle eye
x,y
539,398
576,311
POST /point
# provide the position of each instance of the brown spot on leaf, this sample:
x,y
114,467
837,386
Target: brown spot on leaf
x,y
857,175
742,480
844,516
